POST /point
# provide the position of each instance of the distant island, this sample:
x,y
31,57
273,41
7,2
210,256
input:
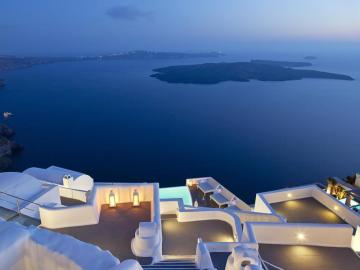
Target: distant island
x,y
141,55
282,63
310,57
13,62
261,70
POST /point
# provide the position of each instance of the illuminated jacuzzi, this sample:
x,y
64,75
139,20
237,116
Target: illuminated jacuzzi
x,y
176,193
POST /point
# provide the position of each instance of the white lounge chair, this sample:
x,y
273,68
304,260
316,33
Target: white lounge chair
x,y
208,185
223,197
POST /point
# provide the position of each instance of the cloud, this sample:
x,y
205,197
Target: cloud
x,y
128,13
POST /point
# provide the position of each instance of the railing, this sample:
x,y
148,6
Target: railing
x,y
72,193
265,263
17,204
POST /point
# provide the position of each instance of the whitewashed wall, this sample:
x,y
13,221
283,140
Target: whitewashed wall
x,y
331,235
78,215
24,248
263,201
337,207
148,237
170,206
247,216
188,214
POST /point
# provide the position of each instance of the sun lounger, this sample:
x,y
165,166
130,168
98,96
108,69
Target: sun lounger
x,y
222,197
208,185
219,199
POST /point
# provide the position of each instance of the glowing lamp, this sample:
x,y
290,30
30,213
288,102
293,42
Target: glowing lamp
x,y
300,236
336,208
289,195
112,201
136,198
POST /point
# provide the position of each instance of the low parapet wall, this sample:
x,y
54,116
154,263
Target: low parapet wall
x,y
330,235
188,214
148,237
54,216
247,216
35,248
227,193
264,200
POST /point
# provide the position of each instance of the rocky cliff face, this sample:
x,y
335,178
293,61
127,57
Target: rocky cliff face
x,y
5,146
8,147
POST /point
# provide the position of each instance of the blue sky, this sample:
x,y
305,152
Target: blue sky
x,y
90,26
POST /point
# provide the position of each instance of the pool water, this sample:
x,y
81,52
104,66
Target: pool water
x,y
181,192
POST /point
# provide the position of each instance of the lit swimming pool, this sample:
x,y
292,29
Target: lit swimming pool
x,y
176,193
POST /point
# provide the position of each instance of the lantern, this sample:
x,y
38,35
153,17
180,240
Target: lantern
x,y
136,198
112,201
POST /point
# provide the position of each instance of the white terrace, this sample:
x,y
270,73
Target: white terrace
x,y
71,222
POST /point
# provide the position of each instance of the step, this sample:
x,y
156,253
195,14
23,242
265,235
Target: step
x,y
170,265
188,258
168,216
177,261
169,268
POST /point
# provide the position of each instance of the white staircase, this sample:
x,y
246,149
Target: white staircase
x,y
177,264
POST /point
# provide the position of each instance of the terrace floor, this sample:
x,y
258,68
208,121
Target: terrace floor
x,y
203,201
307,210
180,238
309,257
115,229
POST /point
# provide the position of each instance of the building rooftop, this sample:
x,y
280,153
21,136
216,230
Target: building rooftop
x,y
297,257
307,210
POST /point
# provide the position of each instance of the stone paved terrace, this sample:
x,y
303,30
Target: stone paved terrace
x,y
297,257
180,238
307,210
115,229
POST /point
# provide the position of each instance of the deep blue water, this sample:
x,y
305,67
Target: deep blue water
x,y
114,122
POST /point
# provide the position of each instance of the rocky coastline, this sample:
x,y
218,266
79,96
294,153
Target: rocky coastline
x,y
8,147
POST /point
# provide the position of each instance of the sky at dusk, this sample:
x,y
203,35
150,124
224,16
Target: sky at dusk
x,y
53,27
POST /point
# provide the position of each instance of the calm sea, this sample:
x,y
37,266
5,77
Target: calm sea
x,y
114,122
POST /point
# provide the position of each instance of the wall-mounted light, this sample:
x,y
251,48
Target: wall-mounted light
x,y
300,236
336,207
112,201
289,195
136,198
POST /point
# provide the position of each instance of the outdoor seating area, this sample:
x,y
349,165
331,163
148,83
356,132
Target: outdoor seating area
x,y
208,185
223,197
144,222
115,230
306,210
208,192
